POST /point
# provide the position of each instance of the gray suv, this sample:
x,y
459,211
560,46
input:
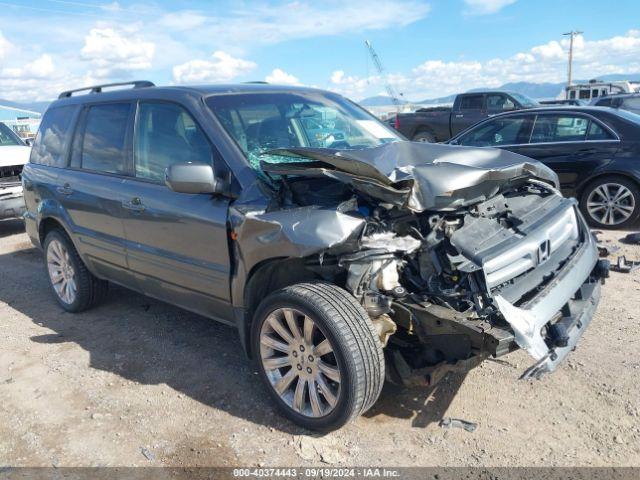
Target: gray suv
x,y
343,254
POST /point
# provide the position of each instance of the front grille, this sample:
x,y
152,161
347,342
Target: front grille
x,y
533,249
514,254
11,174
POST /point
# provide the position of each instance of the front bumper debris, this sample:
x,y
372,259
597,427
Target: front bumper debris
x,y
11,202
550,325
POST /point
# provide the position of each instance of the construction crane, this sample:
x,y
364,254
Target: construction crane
x,y
376,61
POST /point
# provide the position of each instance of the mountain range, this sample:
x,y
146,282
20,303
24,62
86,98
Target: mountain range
x,y
538,91
32,106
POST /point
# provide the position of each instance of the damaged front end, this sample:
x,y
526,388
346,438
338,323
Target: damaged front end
x,y
456,254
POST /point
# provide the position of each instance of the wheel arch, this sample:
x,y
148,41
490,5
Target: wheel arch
x,y
264,279
46,225
580,188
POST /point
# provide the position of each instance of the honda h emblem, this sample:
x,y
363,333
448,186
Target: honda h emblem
x,y
543,251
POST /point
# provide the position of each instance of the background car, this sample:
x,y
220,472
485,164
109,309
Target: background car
x,y
575,102
595,152
630,102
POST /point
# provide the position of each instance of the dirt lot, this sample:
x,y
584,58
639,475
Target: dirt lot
x,y
138,382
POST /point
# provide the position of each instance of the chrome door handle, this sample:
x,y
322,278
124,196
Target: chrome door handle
x,y
65,189
135,205
459,116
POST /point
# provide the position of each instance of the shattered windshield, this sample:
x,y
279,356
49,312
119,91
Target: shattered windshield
x,y
259,122
7,137
524,100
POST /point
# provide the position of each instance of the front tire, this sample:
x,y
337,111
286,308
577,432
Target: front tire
x,y
611,202
318,354
73,286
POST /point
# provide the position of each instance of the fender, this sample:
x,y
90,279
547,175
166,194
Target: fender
x,y
51,209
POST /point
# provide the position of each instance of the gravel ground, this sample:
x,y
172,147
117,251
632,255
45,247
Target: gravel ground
x,y
137,382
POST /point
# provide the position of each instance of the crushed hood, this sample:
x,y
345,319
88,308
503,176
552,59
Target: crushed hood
x,y
418,176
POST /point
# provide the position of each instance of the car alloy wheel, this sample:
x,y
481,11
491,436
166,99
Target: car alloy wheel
x,y
61,272
611,204
299,362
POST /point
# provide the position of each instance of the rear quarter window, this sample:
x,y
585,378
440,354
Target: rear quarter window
x,y
53,137
632,104
472,102
104,139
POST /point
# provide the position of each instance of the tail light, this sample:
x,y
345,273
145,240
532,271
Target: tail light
x,y
396,123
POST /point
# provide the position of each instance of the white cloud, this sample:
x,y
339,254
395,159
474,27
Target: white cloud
x,y
542,63
485,7
183,20
166,38
116,51
262,23
280,77
5,46
41,67
38,79
111,7
352,86
221,68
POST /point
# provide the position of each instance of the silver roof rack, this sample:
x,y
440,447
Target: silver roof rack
x,y
98,88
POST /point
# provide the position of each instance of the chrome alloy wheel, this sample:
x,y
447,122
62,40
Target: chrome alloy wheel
x,y
611,203
61,272
299,362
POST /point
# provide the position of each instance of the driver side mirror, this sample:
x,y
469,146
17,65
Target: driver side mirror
x,y
192,178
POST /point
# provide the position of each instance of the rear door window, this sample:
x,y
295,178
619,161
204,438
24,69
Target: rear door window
x,y
53,137
499,132
167,134
472,102
105,138
559,128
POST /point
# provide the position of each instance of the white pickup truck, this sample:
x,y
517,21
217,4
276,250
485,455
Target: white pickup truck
x,y
13,155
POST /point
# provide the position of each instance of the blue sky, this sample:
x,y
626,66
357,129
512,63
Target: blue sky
x,y
429,48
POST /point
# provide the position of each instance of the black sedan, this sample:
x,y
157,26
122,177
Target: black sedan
x,y
595,151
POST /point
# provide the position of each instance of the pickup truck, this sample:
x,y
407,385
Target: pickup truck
x,y
438,124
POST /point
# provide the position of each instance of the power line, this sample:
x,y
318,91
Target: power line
x,y
105,8
50,10
78,4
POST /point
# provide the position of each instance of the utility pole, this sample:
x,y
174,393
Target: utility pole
x,y
572,35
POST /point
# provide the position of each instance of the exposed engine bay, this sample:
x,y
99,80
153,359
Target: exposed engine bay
x,y
448,277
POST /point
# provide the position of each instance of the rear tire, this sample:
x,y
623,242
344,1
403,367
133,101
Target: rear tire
x,y
341,341
611,202
73,286
424,137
